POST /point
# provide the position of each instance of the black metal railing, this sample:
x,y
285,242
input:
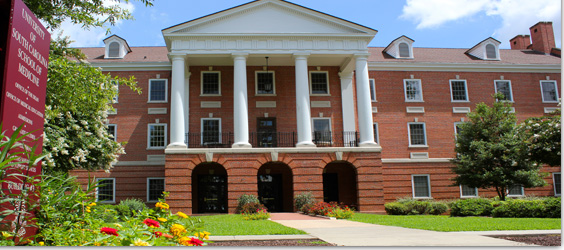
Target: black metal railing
x,y
272,139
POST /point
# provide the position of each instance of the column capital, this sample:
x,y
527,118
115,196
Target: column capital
x,y
177,55
301,55
239,55
361,56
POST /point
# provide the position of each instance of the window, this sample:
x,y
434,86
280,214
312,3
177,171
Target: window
x,y
372,90
413,92
156,137
265,83
211,131
211,83
115,84
404,50
458,91
155,188
112,131
457,128
466,191
376,136
421,186
321,129
113,49
516,190
158,90
491,52
556,178
319,83
417,135
105,191
549,91
504,87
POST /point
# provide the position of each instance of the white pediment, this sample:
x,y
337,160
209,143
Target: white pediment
x,y
270,17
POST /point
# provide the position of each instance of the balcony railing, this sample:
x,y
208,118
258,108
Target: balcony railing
x,y
272,139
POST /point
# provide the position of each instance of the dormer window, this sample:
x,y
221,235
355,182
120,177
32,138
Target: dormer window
x,y
400,48
487,49
116,47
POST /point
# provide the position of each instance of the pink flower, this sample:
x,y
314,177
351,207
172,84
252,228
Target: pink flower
x,y
109,231
151,223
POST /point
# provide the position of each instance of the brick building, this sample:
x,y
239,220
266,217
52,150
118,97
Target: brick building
x,y
274,99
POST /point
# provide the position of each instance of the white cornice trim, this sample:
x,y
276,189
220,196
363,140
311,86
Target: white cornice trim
x,y
139,163
133,66
464,67
269,150
408,160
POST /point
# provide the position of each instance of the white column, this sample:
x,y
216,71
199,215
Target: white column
x,y
240,105
364,104
187,101
177,98
303,111
347,103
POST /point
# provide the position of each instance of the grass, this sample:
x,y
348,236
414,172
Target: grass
x,y
452,224
234,224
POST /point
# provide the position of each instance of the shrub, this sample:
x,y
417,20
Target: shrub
x,y
320,208
552,207
471,207
133,204
245,199
407,206
341,213
252,208
396,208
303,199
260,214
530,208
437,208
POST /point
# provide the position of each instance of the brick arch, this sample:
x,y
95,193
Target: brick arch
x,y
340,183
275,186
209,188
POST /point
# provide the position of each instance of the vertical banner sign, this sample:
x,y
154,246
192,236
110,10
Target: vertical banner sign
x,y
23,104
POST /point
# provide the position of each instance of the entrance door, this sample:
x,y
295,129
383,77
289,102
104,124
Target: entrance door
x,y
212,193
330,187
270,191
266,132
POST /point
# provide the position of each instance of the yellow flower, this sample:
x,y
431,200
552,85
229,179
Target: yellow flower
x,y
118,225
177,229
181,214
139,242
162,219
97,244
162,205
41,243
185,241
203,235
88,210
92,204
6,234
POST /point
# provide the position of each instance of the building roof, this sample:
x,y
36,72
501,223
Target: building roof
x,y
137,54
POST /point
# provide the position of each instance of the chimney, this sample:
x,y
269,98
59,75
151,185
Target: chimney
x,y
543,37
520,42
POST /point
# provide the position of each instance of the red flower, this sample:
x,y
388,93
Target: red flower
x,y
151,223
168,236
158,234
196,242
109,230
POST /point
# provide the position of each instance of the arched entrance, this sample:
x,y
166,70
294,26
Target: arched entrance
x,y
209,189
340,183
275,187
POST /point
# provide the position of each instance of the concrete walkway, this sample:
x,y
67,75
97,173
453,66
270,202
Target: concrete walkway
x,y
350,233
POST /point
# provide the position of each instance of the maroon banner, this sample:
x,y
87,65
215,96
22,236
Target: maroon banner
x,y
23,98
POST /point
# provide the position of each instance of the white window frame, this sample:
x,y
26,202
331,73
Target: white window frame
x,y
330,127
166,91
372,90
420,86
496,51
409,134
554,183
455,128
555,88
202,83
465,90
115,130
510,89
115,82
273,83
114,190
149,135
428,186
517,195
202,129
376,132
311,83
468,196
148,186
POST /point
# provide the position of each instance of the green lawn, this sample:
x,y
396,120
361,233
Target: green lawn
x,y
234,224
451,224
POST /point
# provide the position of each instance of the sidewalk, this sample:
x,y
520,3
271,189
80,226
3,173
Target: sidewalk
x,y
350,233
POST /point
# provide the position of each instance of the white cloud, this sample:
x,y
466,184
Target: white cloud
x,y
516,15
94,36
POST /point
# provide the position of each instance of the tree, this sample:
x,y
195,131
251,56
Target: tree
x,y
542,138
490,151
79,95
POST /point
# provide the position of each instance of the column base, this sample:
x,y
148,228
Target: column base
x,y
241,145
176,145
368,144
306,144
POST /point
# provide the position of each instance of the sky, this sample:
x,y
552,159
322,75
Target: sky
x,y
431,23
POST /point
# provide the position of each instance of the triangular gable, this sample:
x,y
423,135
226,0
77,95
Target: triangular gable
x,y
393,48
270,17
479,50
119,39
